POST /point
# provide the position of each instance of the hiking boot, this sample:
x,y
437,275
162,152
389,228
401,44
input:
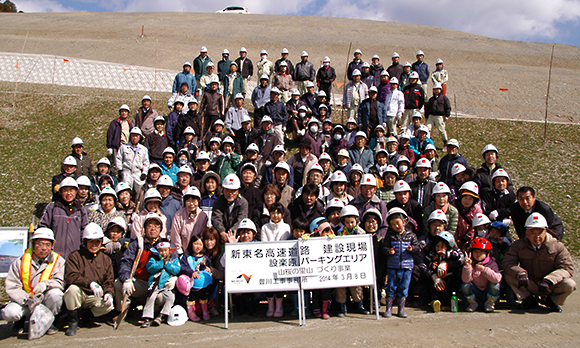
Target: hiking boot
x,y
360,309
472,304
18,327
52,330
389,311
73,323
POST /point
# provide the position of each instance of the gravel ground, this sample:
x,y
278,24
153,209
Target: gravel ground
x,y
478,66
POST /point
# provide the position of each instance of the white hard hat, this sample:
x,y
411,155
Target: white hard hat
x,y
136,130
285,50
168,150
314,167
373,211
69,161
104,160
365,65
500,173
264,77
437,85
417,114
283,63
247,224
68,182
277,148
356,72
430,147
210,64
321,93
124,107
253,147
264,52
225,51
215,140
192,100
295,92
214,79
396,210
423,128
384,73
313,120
152,194
394,80
407,64
368,179
357,51
471,188
383,151
275,90
489,147
77,141
154,166
401,186
191,191
457,168
43,233
453,142
420,53
202,156
437,214
239,96
326,59
118,221
373,89
203,49
349,210
282,165
441,187
243,49
83,180
122,186
439,61
536,220
405,135
267,119
391,169
308,84
376,56
351,120
93,231
177,316
146,97
324,156
304,54
338,176
108,191
165,180
228,140
361,134
402,158
395,55
187,63
335,203
232,182
392,139
250,166
423,163
179,100
189,130
414,75
480,219
152,216
357,167
246,118
185,169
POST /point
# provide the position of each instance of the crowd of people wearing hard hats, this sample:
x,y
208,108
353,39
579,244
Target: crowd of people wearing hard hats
x,y
150,222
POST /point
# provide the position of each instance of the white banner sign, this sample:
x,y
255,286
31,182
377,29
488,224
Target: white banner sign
x,y
13,241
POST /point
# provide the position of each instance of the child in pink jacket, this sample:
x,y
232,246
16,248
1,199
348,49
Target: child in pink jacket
x,y
481,276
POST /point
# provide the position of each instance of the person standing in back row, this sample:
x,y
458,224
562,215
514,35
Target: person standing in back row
x,y
325,76
422,69
355,64
246,68
284,58
145,116
304,73
200,67
440,75
437,111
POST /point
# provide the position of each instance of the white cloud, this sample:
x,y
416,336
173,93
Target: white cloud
x,y
40,6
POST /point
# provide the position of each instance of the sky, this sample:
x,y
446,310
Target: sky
x,y
550,21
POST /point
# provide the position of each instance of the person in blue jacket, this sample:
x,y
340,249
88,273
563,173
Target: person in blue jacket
x,y
372,112
360,153
184,76
420,142
448,161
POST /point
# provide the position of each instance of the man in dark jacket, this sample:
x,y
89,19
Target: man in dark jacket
x,y
284,58
325,76
355,64
84,163
404,201
277,112
190,119
200,65
90,277
118,132
448,161
145,116
246,68
230,208
371,112
267,140
414,99
223,67
307,205
395,69
368,199
488,168
437,111
422,69
376,68
245,135
528,204
304,72
422,187
211,107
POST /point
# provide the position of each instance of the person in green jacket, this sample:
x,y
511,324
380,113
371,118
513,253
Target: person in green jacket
x,y
228,161
233,84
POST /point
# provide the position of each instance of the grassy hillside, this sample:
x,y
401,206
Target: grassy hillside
x,y
35,136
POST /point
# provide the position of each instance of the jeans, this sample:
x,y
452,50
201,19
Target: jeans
x,y
398,282
492,290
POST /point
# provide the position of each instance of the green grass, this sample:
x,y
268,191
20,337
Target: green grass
x,y
35,136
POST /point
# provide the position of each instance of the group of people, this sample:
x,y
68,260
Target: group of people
x,y
149,224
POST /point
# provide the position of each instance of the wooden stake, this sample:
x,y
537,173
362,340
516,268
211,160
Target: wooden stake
x,y
548,95
19,69
344,80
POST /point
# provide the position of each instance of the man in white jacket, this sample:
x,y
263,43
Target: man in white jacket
x,y
395,104
132,161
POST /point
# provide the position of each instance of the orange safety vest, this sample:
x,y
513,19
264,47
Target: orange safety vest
x,y
26,266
